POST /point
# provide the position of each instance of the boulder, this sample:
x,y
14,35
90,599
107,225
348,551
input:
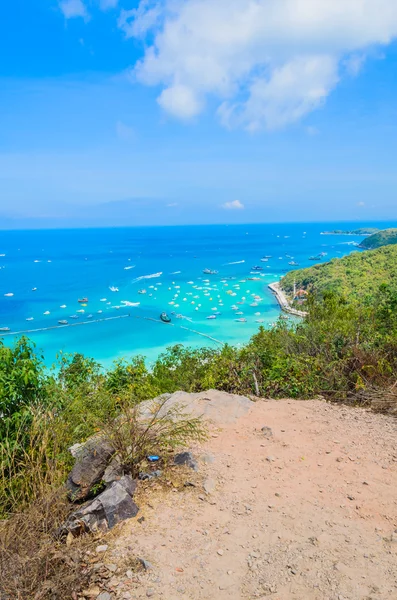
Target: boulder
x,y
219,408
110,507
91,462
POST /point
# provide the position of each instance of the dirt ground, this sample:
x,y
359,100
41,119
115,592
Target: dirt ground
x,y
306,511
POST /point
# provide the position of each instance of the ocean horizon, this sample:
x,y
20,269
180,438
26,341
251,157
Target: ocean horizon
x,y
129,276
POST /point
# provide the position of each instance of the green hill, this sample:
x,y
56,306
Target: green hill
x,y
382,238
359,274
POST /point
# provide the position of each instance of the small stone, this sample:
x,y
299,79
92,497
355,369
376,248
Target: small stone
x,y
270,459
186,458
129,574
277,495
102,548
220,552
112,568
145,564
230,572
267,432
365,483
150,592
350,497
209,486
104,596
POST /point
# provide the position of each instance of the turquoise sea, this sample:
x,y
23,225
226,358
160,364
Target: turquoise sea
x,y
44,273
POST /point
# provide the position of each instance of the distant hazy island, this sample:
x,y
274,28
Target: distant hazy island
x,y
361,231
381,238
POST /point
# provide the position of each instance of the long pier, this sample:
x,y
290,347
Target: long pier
x,y
52,327
283,301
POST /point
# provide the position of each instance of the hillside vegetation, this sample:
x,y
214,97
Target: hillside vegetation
x,y
382,238
358,275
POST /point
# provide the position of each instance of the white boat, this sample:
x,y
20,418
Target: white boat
x,y
63,322
112,288
4,329
128,268
241,320
142,291
103,300
9,295
34,289
29,319
212,317
47,312
63,306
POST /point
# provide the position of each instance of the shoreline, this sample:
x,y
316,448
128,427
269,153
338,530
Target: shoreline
x,y
283,301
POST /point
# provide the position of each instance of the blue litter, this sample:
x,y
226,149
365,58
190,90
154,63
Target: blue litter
x,y
153,458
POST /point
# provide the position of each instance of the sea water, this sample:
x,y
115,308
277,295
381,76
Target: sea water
x,y
44,273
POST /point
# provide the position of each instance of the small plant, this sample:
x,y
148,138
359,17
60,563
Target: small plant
x,y
156,428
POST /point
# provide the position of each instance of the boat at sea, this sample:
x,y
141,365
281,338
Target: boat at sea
x,y
293,263
63,322
211,317
142,292
74,316
9,295
264,259
241,320
5,329
112,288
82,300
257,268
210,272
34,289
165,318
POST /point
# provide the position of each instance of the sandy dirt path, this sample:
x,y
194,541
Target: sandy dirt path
x,y
306,512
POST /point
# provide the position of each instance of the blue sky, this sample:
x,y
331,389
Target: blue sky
x,y
197,111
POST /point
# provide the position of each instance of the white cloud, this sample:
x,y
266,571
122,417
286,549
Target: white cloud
x,y
172,204
267,63
107,4
73,8
360,203
234,205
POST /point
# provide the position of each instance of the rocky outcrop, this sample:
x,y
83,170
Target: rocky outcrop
x,y
219,408
91,461
102,513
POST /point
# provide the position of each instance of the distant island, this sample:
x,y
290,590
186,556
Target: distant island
x,y
361,231
379,239
358,275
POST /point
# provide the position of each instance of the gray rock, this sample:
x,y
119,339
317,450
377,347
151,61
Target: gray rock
x,y
217,407
267,432
209,486
104,596
147,476
88,470
186,458
145,564
112,506
114,471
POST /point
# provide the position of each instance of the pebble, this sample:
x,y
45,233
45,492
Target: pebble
x,y
150,592
102,548
267,432
112,568
209,486
145,564
220,552
104,596
270,459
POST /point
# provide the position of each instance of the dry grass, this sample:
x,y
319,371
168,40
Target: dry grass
x,y
33,565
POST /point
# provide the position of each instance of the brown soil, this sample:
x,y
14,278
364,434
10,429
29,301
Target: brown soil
x,y
309,513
